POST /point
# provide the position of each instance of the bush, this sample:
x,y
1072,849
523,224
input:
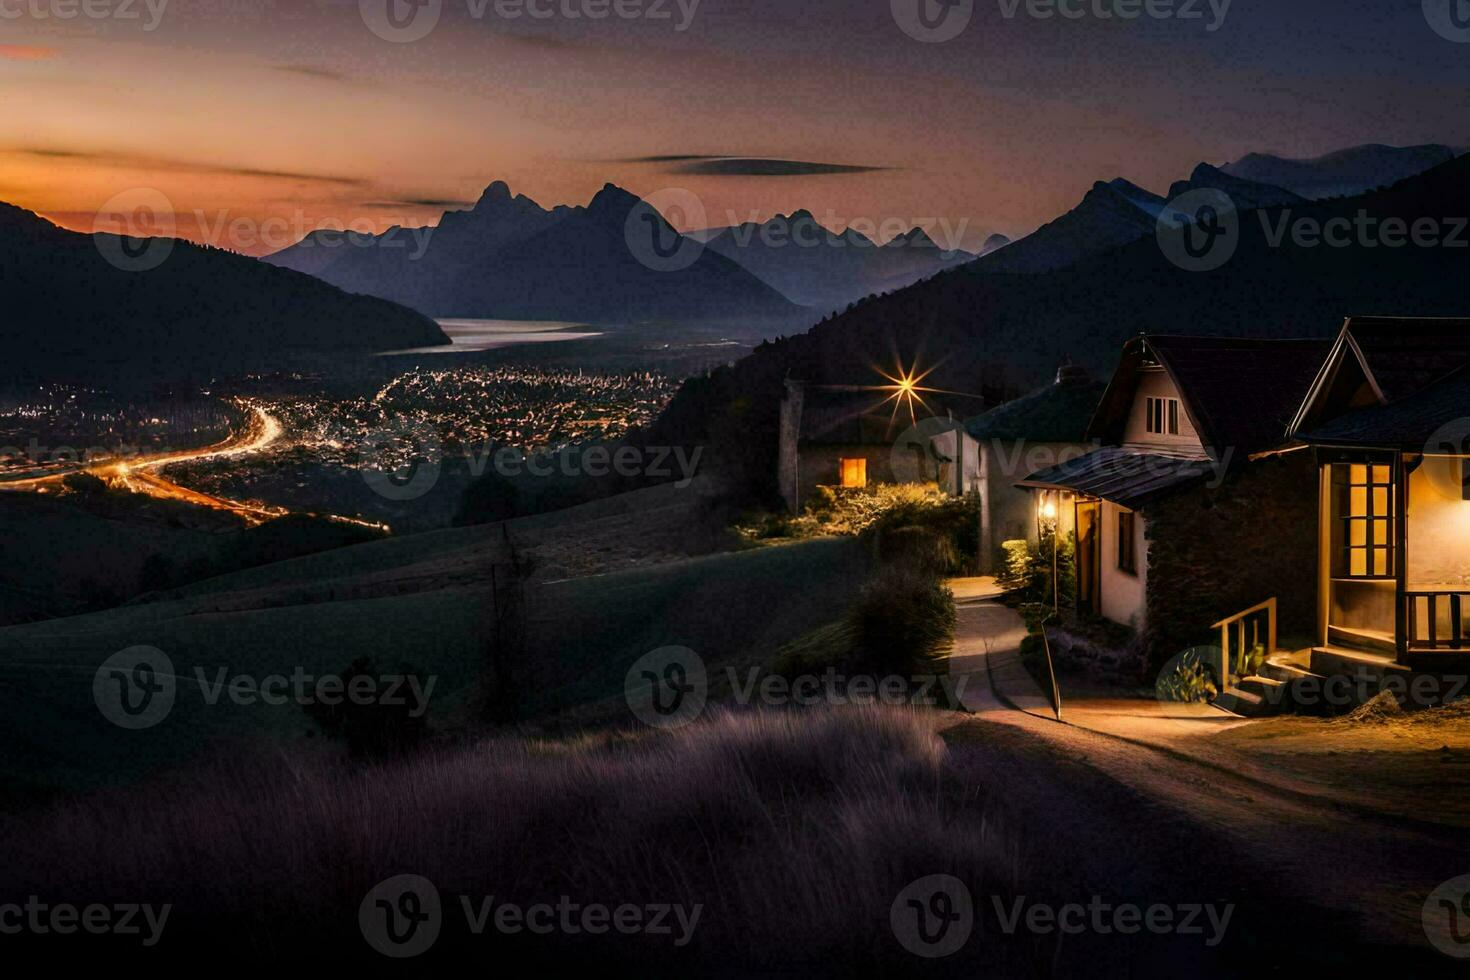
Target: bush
x,y
1027,572
374,728
1192,677
902,623
914,547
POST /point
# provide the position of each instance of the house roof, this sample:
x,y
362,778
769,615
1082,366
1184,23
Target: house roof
x,y
1124,476
1059,412
847,417
1410,423
1240,393
1394,357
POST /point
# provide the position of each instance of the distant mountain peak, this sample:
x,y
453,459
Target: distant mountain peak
x,y
496,193
613,201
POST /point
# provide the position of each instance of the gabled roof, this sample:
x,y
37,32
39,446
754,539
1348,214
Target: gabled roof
x,y
846,417
1123,476
1409,423
1060,412
1239,393
1381,360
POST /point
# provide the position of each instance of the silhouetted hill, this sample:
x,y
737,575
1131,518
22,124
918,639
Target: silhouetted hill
x,y
1002,334
1352,171
1245,193
69,310
1113,213
817,267
509,258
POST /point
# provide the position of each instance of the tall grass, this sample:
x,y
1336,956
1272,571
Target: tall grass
x,y
795,831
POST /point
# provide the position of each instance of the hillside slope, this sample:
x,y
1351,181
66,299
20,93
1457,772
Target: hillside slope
x,y
69,310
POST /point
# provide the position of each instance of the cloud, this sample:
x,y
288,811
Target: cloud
x,y
312,71
27,52
162,165
760,167
420,202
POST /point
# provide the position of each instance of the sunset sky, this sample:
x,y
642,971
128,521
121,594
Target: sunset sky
x,y
242,110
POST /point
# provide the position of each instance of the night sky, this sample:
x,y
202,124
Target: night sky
x,y
244,110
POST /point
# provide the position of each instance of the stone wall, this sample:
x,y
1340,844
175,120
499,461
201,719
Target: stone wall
x,y
1216,552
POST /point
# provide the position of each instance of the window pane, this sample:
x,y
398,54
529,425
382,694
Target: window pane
x,y
1382,536
1357,533
1380,474
1358,502
1380,500
1173,417
1358,563
1380,562
1357,474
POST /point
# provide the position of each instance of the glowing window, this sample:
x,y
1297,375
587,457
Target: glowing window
x,y
854,473
1365,511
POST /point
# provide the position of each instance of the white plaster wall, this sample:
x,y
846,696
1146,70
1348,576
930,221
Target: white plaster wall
x,y
1123,595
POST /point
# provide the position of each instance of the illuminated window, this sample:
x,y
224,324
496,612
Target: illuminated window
x,y
1364,502
854,473
1127,542
1163,416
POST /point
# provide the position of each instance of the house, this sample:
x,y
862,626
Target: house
x,y
1183,517
1041,429
848,437
839,436
1387,420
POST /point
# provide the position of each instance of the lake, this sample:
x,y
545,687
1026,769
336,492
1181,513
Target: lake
x,y
477,335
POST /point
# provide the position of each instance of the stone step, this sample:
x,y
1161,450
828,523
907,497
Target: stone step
x,y
1255,697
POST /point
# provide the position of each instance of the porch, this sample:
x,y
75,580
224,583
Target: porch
x,y
1395,558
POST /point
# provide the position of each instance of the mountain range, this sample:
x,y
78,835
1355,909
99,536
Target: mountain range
x,y
820,268
1343,173
73,306
992,335
510,258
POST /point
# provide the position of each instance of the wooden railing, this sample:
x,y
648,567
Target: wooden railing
x,y
1454,638
1245,627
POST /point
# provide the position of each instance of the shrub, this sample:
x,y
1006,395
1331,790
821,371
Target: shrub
x,y
903,623
915,547
1192,677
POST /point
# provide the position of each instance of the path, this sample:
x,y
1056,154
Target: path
x,y
1373,868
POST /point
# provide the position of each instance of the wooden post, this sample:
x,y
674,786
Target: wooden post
x,y
1401,564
